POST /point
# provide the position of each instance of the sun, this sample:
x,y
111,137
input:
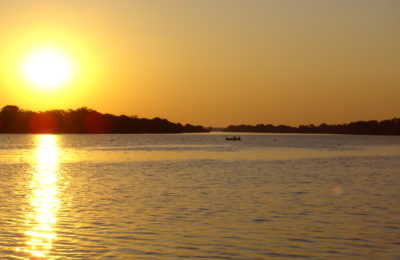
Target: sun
x,y
47,68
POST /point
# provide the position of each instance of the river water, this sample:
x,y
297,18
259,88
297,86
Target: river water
x,y
199,196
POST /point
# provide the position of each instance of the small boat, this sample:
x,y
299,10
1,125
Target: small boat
x,y
233,138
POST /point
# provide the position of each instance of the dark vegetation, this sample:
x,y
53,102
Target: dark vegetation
x,y
84,120
385,127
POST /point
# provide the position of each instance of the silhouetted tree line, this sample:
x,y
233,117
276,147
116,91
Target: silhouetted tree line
x,y
373,127
84,120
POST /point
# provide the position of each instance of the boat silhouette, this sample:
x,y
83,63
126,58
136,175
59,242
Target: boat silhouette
x,y
233,138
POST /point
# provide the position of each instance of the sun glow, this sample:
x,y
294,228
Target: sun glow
x,y
47,68
50,68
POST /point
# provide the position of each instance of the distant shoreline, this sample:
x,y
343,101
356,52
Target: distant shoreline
x,y
372,127
14,120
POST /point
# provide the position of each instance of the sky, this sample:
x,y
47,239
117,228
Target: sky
x,y
211,62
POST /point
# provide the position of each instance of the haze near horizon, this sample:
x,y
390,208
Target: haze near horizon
x,y
205,62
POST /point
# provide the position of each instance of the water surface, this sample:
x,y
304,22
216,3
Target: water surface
x,y
199,196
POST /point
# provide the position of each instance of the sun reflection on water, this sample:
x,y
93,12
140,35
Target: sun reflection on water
x,y
43,199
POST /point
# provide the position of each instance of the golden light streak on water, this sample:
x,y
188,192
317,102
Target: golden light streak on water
x,y
44,202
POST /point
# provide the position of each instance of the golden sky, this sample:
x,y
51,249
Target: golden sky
x,y
211,62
